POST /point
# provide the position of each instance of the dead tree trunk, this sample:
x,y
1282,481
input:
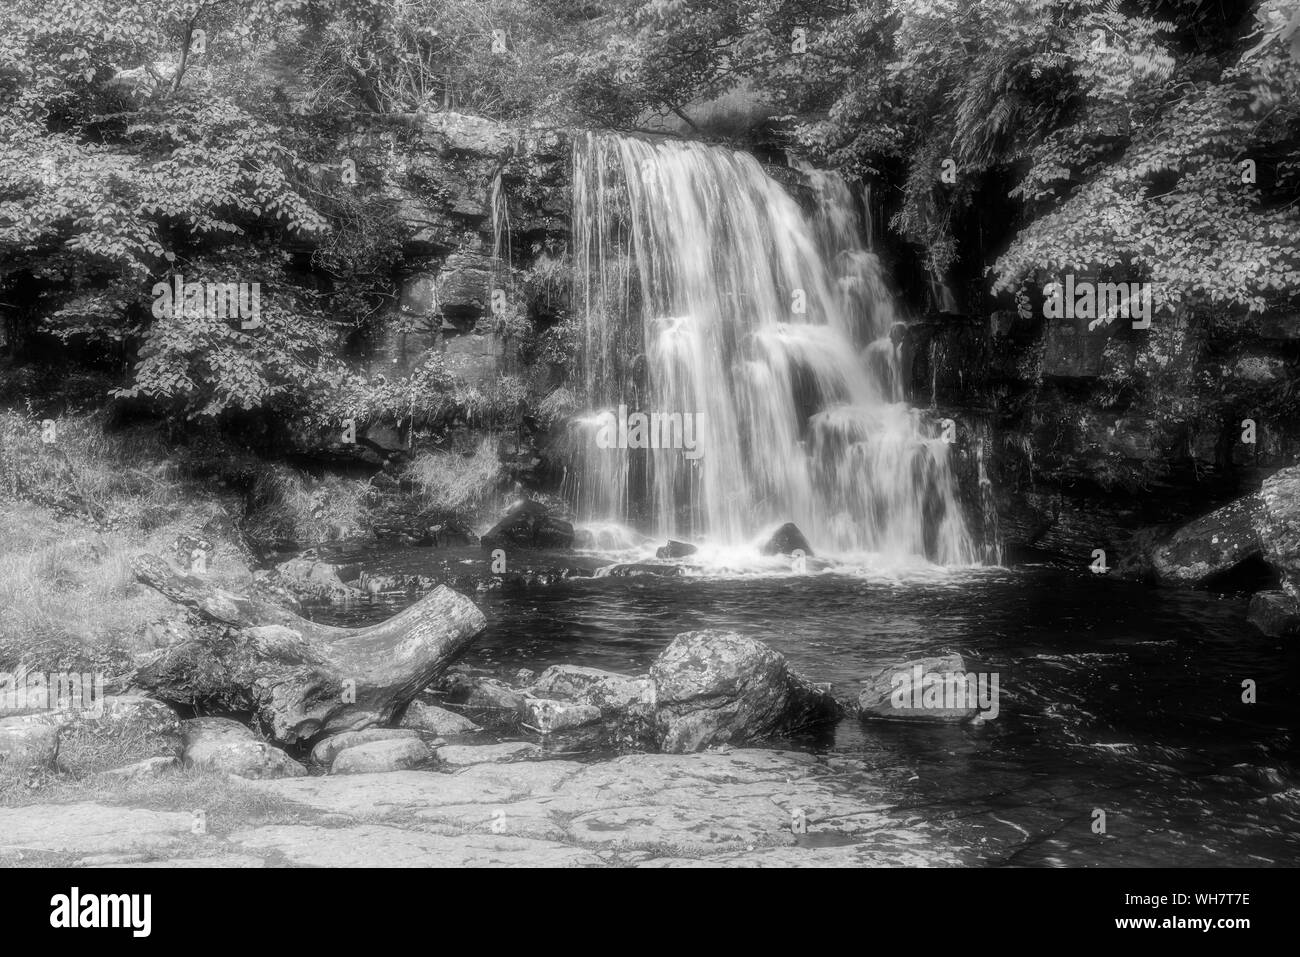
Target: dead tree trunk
x,y
300,679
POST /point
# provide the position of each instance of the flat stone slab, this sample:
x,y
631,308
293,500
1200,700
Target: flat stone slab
x,y
373,845
719,805
732,808
89,828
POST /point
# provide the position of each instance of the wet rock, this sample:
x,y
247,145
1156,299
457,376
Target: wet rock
x,y
463,133
431,718
893,691
528,525
1211,545
1275,613
549,716
1278,524
606,690
634,569
675,550
463,289
220,744
786,540
306,576
714,686
330,748
27,741
396,754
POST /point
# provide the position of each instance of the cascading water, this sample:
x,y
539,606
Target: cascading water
x,y
703,287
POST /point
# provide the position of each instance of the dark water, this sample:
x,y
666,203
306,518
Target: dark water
x,y
1114,696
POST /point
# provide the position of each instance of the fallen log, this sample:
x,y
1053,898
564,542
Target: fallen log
x,y
301,680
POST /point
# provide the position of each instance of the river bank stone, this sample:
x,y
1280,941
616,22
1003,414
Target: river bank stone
x,y
394,754
427,717
220,744
330,748
1278,524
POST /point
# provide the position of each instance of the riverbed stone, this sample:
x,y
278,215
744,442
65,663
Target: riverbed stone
x,y
427,717
327,750
876,700
548,715
394,754
221,744
714,686
606,690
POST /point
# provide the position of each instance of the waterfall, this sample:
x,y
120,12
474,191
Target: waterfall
x,y
704,289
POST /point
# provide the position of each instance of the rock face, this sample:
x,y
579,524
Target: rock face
x,y
894,691
1211,545
786,540
394,754
220,744
1278,524
528,525
714,686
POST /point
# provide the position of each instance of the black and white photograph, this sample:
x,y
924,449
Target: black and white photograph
x,y
650,434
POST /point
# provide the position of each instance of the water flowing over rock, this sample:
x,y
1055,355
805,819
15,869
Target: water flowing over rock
x,y
704,288
714,687
786,540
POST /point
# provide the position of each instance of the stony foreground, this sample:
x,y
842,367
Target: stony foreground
x,y
737,808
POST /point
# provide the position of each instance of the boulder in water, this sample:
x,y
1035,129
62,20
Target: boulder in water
x,y
527,525
1275,613
902,691
1211,545
676,550
1278,525
786,540
713,687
